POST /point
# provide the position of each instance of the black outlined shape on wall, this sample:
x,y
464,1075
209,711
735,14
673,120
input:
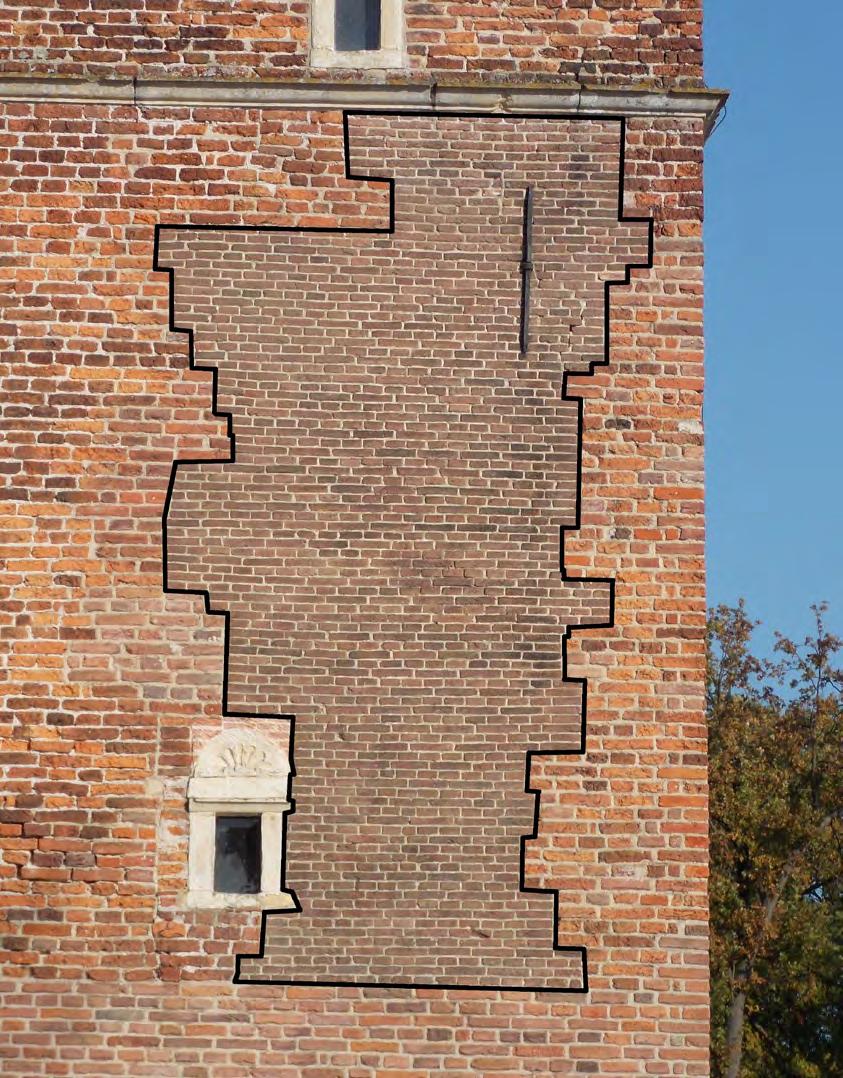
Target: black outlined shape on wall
x,y
609,583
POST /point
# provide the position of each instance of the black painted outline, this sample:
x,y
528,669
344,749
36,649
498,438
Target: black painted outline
x,y
563,530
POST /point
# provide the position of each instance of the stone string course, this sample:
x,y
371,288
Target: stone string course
x,y
109,685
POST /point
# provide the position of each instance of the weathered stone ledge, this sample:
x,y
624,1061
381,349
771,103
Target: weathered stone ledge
x,y
325,94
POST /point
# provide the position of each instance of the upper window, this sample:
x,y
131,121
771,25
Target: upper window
x,y
357,25
357,33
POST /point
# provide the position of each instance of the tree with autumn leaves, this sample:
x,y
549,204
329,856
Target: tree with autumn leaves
x,y
776,749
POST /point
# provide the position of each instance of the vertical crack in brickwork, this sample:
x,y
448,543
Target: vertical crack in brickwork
x,y
385,545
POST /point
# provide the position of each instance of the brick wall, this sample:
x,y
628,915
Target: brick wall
x,y
387,540
110,684
609,41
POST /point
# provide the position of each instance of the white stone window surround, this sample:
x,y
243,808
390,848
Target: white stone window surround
x,y
238,773
323,53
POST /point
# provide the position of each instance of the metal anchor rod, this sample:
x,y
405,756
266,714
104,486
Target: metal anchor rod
x,y
526,268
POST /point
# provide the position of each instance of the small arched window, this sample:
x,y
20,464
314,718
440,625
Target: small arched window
x,y
237,800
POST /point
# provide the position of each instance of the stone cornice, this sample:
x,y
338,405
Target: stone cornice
x,y
309,93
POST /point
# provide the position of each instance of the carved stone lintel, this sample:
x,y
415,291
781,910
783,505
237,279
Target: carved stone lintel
x,y
240,753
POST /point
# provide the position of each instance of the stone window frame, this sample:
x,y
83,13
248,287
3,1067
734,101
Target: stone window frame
x,y
323,52
238,773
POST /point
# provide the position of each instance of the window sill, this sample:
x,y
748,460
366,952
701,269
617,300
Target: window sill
x,y
216,900
365,59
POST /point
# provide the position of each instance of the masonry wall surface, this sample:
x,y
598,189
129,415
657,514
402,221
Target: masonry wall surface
x,y
387,539
604,41
110,685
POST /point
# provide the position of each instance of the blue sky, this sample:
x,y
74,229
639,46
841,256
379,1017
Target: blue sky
x,y
774,311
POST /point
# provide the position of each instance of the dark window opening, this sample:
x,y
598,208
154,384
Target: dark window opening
x,y
237,860
357,25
